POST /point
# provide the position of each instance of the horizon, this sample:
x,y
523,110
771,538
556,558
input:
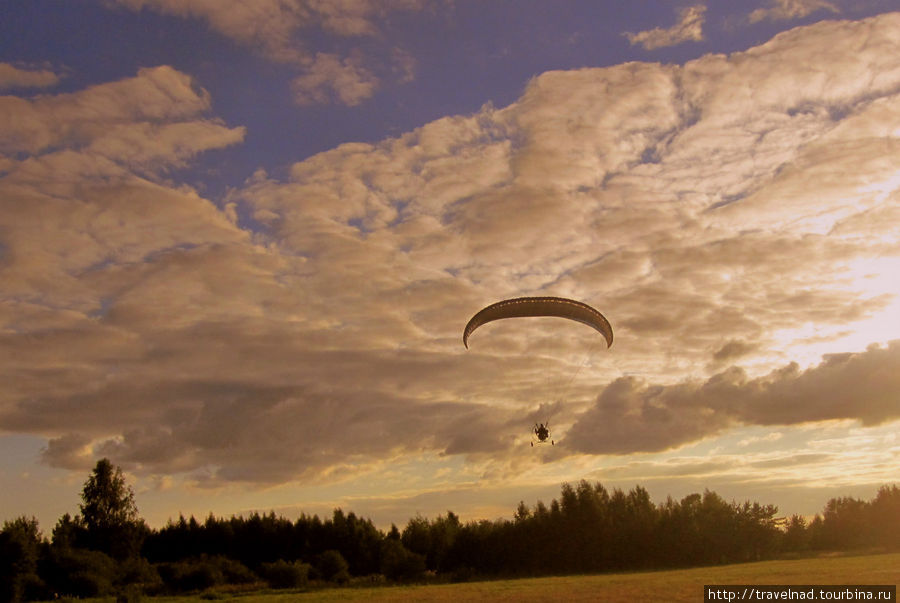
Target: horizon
x,y
238,250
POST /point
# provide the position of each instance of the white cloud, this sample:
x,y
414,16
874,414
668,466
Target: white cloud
x,y
688,28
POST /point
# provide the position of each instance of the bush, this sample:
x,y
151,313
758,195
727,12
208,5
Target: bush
x,y
138,572
200,573
234,571
400,564
194,574
281,574
333,567
78,572
130,594
87,584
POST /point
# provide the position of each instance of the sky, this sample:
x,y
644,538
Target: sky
x,y
239,243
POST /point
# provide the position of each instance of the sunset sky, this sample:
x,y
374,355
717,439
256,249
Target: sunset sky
x,y
239,243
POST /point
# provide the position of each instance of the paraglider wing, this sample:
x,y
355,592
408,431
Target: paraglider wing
x,y
540,306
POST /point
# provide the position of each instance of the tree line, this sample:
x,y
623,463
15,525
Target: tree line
x,y
108,549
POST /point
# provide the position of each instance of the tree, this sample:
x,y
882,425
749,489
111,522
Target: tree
x,y
109,514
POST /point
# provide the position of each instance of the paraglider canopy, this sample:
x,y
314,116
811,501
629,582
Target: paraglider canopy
x,y
540,306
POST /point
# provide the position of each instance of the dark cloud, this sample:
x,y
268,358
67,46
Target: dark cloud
x,y
71,451
733,349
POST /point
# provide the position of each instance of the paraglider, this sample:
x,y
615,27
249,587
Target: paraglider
x,y
521,307
540,306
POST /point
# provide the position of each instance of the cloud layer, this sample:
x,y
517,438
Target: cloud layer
x,y
729,216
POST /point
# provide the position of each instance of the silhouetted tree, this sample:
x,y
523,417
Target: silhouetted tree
x,y
109,514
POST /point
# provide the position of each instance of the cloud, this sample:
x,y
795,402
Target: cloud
x,y
689,27
736,209
15,77
160,98
70,451
791,9
632,416
79,181
330,76
733,349
271,25
276,29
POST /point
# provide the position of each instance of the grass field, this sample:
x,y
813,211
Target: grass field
x,y
667,586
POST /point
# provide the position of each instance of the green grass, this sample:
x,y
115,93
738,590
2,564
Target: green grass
x,y
669,586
